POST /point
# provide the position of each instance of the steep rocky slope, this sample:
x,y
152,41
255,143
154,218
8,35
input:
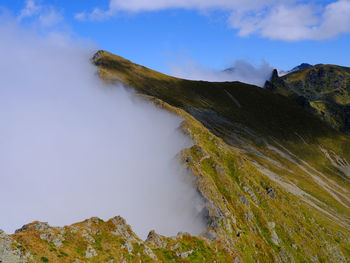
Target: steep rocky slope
x,y
275,180
321,89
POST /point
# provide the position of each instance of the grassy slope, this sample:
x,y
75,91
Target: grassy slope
x,y
248,142
237,112
326,87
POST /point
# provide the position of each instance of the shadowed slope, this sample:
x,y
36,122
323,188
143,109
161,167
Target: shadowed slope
x,y
283,141
235,101
274,178
321,89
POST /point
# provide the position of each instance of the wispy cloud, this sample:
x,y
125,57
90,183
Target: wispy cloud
x,y
46,15
288,20
239,70
96,15
295,22
29,10
73,147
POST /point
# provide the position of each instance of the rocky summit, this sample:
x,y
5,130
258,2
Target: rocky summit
x,y
271,165
322,89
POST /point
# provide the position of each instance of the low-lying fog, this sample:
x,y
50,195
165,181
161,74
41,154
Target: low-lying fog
x,y
72,147
239,70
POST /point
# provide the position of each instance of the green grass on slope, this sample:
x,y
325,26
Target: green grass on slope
x,y
232,111
258,109
325,87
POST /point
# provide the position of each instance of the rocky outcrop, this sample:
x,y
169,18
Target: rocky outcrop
x,y
269,193
321,89
95,240
155,239
9,251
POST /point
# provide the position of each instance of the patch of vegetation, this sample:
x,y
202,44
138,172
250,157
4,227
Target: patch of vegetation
x,y
267,142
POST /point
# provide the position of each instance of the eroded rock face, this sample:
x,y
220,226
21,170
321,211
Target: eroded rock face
x,y
155,239
225,170
122,228
209,234
9,253
150,253
41,226
90,252
271,192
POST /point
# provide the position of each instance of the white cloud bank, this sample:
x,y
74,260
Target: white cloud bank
x,y
295,22
288,20
239,71
72,147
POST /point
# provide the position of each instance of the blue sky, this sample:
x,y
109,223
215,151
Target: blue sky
x,y
213,34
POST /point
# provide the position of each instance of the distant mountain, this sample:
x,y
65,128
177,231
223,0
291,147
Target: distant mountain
x,y
300,67
274,178
281,72
321,89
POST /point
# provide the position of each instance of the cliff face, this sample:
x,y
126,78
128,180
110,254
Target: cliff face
x,y
274,178
321,89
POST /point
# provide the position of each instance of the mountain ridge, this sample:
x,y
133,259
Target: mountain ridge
x,y
275,180
322,89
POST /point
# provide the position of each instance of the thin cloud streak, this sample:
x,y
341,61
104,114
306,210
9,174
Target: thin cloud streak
x,y
240,70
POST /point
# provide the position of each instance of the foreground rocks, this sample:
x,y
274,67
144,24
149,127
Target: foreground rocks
x,y
10,251
94,240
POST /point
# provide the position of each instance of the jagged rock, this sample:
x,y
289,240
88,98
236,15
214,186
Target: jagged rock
x,y
271,192
249,216
184,254
47,233
93,220
179,235
214,188
336,252
275,80
322,84
251,193
199,150
73,229
220,170
41,226
285,257
87,237
175,247
9,254
122,229
23,228
90,252
155,239
243,200
149,253
212,214
274,236
209,234
227,224
128,245
188,159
